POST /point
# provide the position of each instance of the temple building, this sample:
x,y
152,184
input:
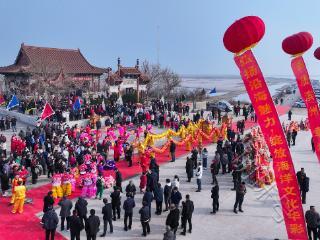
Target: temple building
x,y
128,80
36,68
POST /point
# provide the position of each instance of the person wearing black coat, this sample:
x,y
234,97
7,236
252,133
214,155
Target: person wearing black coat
x,y
128,155
131,189
128,206
92,225
148,197
81,207
294,136
50,222
116,202
289,115
154,167
303,181
153,164
187,211
175,197
158,197
118,179
107,217
48,201
304,188
152,180
189,169
236,175
173,218
167,194
172,150
312,219
145,218
65,211
240,192
215,196
289,137
76,226
194,157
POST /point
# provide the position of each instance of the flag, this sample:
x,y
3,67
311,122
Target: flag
x,y
77,104
13,102
47,112
213,92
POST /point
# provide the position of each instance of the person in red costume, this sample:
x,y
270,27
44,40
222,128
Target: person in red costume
x,y
23,173
143,182
144,162
13,143
116,151
88,129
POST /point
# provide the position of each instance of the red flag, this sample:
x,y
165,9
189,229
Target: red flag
x,y
268,120
47,112
301,73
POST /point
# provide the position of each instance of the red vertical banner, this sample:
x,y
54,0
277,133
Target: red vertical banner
x,y
269,122
301,73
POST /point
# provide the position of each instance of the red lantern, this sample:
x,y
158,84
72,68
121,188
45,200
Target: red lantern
x,y
243,33
297,43
317,53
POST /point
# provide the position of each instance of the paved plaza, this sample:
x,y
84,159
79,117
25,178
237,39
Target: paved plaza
x,y
262,217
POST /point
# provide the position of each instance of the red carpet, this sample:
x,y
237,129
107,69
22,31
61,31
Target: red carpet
x,y
27,226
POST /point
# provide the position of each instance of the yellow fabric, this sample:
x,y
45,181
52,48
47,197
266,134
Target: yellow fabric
x,y
14,184
13,197
18,205
194,132
66,188
57,191
20,192
19,196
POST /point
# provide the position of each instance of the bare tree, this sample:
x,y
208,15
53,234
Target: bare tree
x,y
49,79
169,81
153,71
43,73
163,81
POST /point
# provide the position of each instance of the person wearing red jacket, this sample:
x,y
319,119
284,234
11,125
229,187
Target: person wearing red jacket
x,y
116,151
143,182
144,163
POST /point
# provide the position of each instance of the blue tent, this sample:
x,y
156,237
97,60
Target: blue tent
x,y
13,102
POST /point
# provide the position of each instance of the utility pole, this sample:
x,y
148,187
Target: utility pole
x,y
138,82
158,44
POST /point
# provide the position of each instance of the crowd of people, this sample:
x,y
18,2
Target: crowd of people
x,y
78,157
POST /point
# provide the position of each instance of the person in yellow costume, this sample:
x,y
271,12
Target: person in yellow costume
x,y
66,183
56,185
20,195
14,184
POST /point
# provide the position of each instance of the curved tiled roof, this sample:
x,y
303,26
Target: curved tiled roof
x,y
71,61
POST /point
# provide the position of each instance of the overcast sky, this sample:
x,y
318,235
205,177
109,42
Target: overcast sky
x,y
189,32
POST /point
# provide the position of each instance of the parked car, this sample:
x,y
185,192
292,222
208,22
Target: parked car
x,y
223,105
299,104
